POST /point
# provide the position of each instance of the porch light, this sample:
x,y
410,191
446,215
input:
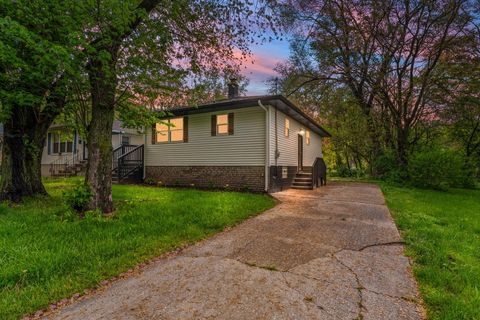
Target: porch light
x,y
302,132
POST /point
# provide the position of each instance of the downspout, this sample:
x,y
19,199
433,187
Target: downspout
x,y
144,152
267,143
277,154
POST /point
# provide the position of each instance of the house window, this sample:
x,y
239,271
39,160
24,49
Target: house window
x,y
60,143
171,130
125,140
222,124
287,127
307,137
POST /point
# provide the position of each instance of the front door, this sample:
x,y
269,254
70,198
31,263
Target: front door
x,y
300,152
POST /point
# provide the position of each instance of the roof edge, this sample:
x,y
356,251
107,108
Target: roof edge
x,y
247,102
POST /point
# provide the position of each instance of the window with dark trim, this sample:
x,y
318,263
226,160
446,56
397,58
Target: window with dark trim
x,y
170,130
222,124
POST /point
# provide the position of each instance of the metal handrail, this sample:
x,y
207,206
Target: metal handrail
x,y
319,173
63,163
137,162
131,151
118,152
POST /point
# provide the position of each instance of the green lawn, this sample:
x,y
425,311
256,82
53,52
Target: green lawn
x,y
47,254
442,232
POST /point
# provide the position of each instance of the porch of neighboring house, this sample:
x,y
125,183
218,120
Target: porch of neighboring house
x,y
66,155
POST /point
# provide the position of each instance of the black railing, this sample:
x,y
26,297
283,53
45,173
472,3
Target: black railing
x,y
65,165
119,151
130,164
319,173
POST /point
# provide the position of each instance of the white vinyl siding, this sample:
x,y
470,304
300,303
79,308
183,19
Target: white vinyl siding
x,y
245,148
313,150
134,136
288,146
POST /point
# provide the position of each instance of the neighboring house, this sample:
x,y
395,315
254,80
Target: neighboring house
x,y
65,153
262,143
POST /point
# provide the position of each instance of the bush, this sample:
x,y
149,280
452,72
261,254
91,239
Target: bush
x,y
150,181
78,198
438,169
346,172
470,173
386,167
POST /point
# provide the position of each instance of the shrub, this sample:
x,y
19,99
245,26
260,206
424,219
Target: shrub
x,y
150,181
386,167
346,172
78,198
437,168
470,173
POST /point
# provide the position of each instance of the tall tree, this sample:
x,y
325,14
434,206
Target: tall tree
x,y
457,92
37,44
384,52
139,46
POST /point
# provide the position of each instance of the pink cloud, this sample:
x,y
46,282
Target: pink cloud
x,y
258,68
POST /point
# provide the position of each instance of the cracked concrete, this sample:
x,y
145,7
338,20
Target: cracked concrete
x,y
330,253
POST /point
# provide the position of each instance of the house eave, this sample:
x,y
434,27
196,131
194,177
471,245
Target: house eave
x,y
278,101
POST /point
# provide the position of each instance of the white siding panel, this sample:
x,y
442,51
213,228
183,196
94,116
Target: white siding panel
x,y
288,146
136,138
245,147
312,151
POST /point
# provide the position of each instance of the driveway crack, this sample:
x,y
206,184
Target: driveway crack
x,y
359,288
390,243
302,294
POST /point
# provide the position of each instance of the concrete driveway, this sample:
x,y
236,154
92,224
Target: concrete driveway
x,y
330,253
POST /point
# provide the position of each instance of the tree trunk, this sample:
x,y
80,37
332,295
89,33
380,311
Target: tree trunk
x,y
402,145
103,81
21,157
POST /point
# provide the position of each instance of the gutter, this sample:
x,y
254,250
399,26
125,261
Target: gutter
x,y
144,152
267,143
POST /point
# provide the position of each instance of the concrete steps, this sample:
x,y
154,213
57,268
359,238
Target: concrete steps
x,y
303,181
71,170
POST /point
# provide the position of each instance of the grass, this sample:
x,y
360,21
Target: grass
x,y
47,254
442,232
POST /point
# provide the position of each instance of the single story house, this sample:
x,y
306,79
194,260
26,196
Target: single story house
x,y
262,143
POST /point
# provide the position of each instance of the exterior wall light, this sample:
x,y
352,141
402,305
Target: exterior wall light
x,y
302,132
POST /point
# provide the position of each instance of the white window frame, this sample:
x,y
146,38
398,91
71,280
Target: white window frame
x,y
287,127
168,132
60,143
223,124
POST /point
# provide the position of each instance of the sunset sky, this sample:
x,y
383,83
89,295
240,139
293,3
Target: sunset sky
x,y
265,58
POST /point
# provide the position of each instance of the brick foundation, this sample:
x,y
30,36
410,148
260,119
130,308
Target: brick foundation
x,y
279,183
241,178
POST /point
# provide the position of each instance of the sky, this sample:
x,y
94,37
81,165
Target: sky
x,y
263,61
